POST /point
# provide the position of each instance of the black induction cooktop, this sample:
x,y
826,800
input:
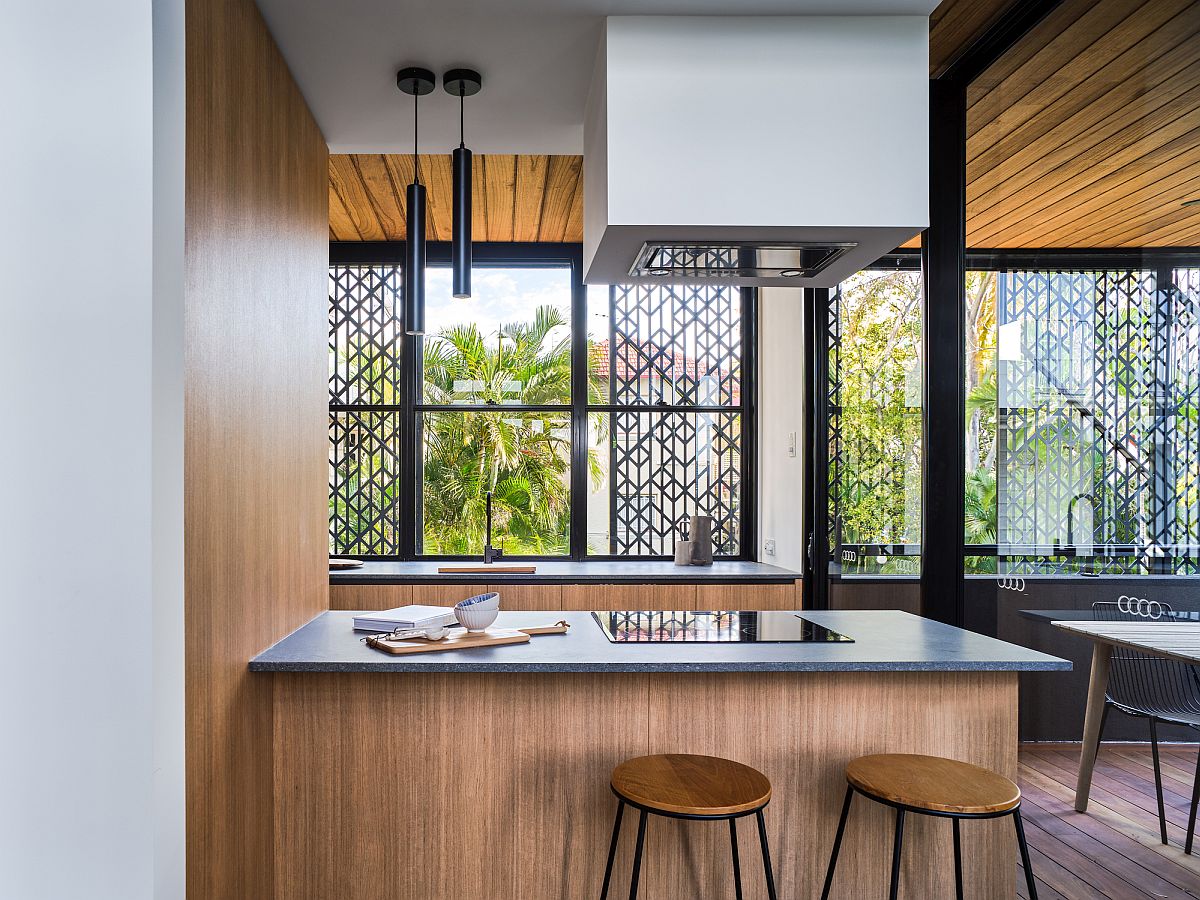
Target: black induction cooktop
x,y
713,627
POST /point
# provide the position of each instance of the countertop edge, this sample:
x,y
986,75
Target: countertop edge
x,y
651,668
351,577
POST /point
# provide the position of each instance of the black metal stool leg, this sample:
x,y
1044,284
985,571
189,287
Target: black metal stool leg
x,y
612,849
1191,833
958,879
1030,883
837,844
737,863
894,892
637,857
766,852
1162,814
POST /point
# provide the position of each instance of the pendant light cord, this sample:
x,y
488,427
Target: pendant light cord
x,y
461,119
416,126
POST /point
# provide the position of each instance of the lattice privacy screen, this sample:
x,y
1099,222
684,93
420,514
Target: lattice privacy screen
x,y
675,372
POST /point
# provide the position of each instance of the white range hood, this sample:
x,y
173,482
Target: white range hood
x,y
775,151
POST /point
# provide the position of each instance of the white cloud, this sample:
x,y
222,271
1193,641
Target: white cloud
x,y
498,297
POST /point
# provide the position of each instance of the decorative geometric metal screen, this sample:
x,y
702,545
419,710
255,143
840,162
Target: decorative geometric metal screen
x,y
364,335
679,346
833,406
670,393
1097,443
1097,418
670,466
1183,411
364,420
675,393
364,483
874,423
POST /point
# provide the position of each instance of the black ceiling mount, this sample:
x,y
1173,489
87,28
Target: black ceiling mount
x,y
416,81
462,82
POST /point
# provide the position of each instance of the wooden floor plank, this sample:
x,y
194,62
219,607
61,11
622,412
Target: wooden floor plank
x,y
1180,765
1107,836
1061,879
1103,778
1066,843
1115,813
1112,850
1138,777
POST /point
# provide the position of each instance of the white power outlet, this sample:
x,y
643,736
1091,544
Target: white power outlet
x,y
769,547
792,444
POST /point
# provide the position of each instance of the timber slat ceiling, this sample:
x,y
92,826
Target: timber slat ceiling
x,y
515,198
1087,132
956,24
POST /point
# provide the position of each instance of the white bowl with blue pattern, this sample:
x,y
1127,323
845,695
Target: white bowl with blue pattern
x,y
478,612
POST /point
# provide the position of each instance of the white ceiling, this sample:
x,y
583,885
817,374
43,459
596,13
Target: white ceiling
x,y
536,58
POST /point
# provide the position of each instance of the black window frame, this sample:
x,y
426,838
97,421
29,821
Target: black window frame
x,y
1162,261
496,254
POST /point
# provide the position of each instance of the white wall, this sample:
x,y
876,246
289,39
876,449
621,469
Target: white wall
x,y
167,449
79,538
781,414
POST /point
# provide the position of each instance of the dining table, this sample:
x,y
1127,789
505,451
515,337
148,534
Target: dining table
x,y
1167,639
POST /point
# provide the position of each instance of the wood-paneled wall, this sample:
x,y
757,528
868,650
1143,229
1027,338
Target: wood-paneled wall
x,y
255,419
574,596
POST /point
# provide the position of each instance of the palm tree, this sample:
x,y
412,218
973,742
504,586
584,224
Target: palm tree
x,y
523,458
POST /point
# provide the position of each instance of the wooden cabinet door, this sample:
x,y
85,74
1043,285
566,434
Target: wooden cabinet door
x,y
369,596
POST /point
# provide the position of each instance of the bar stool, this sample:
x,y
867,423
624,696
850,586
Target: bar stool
x,y
683,786
931,786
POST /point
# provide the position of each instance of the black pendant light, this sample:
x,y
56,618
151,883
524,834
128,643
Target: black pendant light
x,y
462,83
415,82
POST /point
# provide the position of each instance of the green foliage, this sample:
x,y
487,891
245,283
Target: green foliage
x,y
879,467
523,458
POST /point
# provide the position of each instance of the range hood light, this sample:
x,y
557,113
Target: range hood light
x,y
736,261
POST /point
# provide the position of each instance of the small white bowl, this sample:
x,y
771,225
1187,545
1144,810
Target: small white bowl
x,y
490,600
473,618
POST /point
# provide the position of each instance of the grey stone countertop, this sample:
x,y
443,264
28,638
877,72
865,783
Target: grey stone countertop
x,y
565,571
884,641
1086,615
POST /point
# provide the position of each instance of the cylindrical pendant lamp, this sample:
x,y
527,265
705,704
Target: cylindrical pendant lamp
x,y
414,260
415,82
462,83
460,251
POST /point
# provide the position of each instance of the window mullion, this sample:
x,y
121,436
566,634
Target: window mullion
x,y
577,543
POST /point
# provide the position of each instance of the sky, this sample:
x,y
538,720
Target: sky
x,y
501,296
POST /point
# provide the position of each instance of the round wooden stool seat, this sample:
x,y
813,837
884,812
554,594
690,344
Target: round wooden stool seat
x,y
933,783
681,784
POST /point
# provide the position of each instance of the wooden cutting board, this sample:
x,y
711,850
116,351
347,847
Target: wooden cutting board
x,y
345,563
460,640
486,570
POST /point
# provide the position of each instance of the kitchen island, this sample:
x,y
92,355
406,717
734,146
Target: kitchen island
x,y
484,773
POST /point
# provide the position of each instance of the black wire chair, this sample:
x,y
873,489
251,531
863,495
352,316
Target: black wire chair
x,y
1154,688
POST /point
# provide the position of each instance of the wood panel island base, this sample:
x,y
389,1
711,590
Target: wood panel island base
x,y
485,774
